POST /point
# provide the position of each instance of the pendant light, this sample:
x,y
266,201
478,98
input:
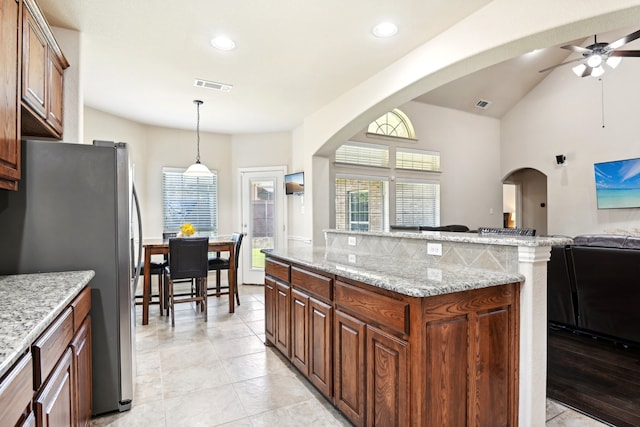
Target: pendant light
x,y
198,169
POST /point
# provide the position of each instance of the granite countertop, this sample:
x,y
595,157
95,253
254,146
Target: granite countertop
x,y
414,278
28,304
447,236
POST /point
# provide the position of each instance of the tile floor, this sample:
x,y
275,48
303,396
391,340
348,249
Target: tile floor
x,y
220,373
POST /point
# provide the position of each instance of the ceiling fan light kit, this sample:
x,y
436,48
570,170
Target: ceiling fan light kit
x,y
594,55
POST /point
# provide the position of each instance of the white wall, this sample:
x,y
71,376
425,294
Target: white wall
x,y
154,147
255,151
70,42
502,30
469,146
563,115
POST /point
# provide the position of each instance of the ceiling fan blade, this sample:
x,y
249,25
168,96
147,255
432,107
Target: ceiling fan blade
x,y
624,40
587,72
575,48
626,53
558,65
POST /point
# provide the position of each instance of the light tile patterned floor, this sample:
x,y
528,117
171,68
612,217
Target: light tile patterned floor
x,y
220,373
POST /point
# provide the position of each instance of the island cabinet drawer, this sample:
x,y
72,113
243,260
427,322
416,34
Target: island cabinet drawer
x,y
16,391
277,269
49,347
81,306
368,305
315,284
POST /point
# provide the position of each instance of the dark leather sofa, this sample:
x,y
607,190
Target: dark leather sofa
x,y
594,286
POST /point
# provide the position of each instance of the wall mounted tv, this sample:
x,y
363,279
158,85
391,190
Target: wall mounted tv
x,y
294,183
618,184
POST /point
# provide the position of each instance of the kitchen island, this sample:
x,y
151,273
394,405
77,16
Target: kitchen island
x,y
429,329
45,345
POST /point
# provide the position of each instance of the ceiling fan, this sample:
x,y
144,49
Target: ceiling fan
x,y
598,53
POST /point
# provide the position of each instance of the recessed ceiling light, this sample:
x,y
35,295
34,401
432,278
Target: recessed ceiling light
x,y
223,43
385,29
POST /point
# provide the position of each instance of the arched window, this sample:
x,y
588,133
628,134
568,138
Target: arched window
x,y
394,123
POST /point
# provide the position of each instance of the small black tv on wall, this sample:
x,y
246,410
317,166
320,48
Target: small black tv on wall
x,y
294,183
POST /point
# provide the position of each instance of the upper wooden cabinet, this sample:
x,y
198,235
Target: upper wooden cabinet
x,y
31,83
10,52
43,65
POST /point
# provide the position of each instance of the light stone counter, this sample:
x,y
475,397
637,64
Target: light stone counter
x,y
28,304
408,276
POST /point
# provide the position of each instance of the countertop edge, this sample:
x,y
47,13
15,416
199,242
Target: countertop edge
x,y
403,285
448,236
80,278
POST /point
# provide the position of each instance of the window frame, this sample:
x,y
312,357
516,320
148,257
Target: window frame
x,y
170,223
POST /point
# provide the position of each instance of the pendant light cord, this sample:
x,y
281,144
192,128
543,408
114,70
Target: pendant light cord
x,y
198,102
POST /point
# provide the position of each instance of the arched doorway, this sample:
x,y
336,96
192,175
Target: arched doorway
x,y
525,197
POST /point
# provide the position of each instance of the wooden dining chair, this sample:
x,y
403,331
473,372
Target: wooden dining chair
x,y
155,269
218,264
188,259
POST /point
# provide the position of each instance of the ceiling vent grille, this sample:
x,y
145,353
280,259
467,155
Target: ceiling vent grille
x,y
483,104
222,87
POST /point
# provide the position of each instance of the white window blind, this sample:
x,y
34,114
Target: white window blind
x,y
417,203
189,199
363,154
361,203
422,160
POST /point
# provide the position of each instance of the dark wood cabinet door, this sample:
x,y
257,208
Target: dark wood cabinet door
x,y
320,346
81,346
349,367
300,331
270,310
9,94
471,352
387,379
55,405
55,80
34,65
283,318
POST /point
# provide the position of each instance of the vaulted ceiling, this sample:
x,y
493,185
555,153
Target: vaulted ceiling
x,y
140,58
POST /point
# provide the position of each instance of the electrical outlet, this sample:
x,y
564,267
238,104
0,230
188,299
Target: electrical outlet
x,y
352,258
352,240
434,248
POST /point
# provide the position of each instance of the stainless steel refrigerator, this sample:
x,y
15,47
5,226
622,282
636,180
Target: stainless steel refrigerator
x,y
73,211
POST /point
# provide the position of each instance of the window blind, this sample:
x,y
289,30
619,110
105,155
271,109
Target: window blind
x,y
360,203
417,203
422,160
189,199
363,154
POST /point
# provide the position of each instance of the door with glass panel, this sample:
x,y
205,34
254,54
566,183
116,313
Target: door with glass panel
x,y
263,218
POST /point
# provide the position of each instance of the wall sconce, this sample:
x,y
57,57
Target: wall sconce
x,y
561,159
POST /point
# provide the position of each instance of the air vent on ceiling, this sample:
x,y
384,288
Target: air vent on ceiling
x,y
222,87
482,104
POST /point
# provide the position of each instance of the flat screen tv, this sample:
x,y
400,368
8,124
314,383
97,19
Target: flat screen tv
x,y
294,183
618,184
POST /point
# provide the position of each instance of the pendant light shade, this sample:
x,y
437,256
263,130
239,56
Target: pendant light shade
x,y
198,169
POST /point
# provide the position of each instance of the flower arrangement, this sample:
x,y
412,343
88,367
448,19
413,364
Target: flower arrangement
x,y
187,229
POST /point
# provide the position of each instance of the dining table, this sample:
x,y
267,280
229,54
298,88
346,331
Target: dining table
x,y
161,247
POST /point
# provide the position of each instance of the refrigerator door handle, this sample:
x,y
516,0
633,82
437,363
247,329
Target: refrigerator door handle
x,y
139,216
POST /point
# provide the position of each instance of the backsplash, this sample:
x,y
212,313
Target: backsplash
x,y
406,247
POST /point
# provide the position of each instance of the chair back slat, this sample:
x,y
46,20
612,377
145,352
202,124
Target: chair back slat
x,y
188,257
237,237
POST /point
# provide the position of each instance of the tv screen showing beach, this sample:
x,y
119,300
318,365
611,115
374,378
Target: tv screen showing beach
x,y
618,184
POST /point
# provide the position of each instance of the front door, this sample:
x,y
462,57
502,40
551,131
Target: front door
x,y
263,218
